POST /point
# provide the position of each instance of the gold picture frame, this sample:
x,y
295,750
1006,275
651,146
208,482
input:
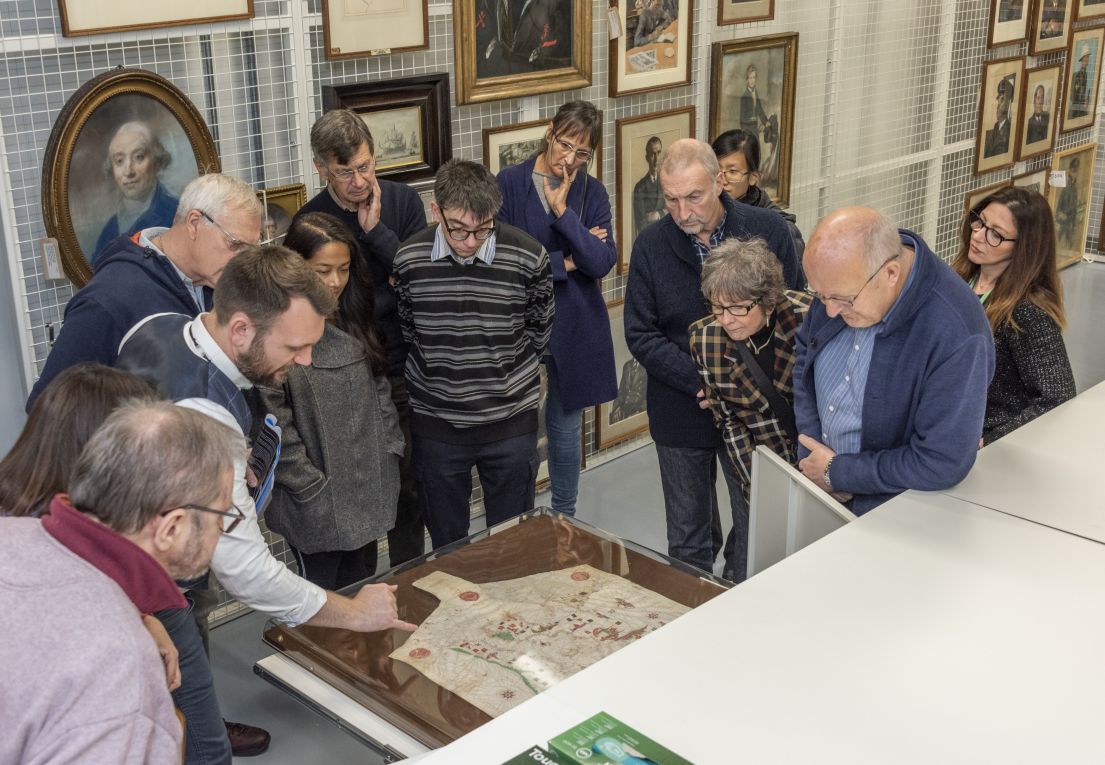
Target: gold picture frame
x,y
281,204
545,50
1083,76
627,415
85,191
999,108
653,52
1070,202
511,144
744,11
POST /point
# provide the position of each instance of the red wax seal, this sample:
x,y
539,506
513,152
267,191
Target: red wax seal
x,y
581,576
420,653
469,596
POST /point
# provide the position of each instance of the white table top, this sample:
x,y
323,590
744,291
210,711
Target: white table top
x,y
930,631
1049,471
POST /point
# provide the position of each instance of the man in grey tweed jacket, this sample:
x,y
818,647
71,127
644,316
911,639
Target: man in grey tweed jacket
x,y
476,307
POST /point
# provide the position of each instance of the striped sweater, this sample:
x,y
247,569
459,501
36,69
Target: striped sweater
x,y
476,332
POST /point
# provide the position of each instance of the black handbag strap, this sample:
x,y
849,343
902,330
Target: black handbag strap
x,y
783,411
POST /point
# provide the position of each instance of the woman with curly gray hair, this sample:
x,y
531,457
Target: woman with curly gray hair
x,y
745,354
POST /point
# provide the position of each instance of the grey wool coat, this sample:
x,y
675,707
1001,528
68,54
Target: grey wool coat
x,y
337,482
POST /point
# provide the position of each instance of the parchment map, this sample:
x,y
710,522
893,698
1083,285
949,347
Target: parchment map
x,y
497,644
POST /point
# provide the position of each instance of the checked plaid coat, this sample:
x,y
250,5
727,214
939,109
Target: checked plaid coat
x,y
740,410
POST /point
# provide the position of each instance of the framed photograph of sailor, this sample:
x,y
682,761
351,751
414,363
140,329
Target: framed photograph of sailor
x,y
1049,26
654,50
1083,74
357,29
1069,197
408,119
511,144
93,17
998,110
640,200
625,416
281,204
1008,22
511,48
1039,108
753,83
744,11
121,151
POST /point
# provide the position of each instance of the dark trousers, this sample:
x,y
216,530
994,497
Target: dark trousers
x,y
688,476
407,539
205,740
334,569
507,470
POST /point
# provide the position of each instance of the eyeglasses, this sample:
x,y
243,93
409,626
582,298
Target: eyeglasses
x,y
345,174
993,237
232,242
849,302
459,234
570,150
735,311
234,513
735,175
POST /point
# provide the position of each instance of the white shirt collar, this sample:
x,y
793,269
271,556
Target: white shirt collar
x,y
203,345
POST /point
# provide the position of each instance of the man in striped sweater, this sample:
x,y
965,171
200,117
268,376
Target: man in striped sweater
x,y
476,307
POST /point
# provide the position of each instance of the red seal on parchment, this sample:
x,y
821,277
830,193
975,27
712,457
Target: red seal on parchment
x,y
469,596
419,653
581,576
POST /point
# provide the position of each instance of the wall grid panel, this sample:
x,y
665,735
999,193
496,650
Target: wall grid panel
x,y
886,111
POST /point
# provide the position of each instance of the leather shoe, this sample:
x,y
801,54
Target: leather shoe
x,y
246,740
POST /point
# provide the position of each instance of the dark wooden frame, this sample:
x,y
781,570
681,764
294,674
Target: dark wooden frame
x,y
788,43
1081,14
1035,45
1090,117
373,46
430,93
757,15
986,91
972,197
94,95
686,10
594,168
992,29
602,442
473,89
1056,109
68,30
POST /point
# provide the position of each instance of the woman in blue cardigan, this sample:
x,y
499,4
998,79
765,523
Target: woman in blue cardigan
x,y
552,198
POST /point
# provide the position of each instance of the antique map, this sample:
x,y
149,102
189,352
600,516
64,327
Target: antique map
x,y
499,643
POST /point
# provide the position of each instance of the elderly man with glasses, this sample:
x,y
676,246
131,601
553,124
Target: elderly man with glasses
x,y
476,306
894,361
380,214
156,270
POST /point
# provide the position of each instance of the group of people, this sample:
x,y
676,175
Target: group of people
x,y
346,384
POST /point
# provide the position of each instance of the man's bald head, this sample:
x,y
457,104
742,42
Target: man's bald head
x,y
853,234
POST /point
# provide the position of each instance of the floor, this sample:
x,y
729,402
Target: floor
x,y
622,496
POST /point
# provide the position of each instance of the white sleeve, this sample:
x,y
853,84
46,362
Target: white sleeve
x,y
243,563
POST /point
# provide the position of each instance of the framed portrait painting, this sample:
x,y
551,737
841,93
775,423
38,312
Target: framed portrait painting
x,y
998,123
93,17
752,87
1039,109
512,144
358,29
1089,9
511,48
625,416
121,151
1036,181
654,49
281,204
1083,74
408,119
1008,22
1069,197
1049,26
640,200
744,11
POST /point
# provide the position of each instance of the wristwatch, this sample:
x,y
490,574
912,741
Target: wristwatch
x,y
828,467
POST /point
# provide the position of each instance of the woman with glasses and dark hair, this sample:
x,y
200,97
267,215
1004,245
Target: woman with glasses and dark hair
x,y
1007,255
745,355
738,153
337,483
551,197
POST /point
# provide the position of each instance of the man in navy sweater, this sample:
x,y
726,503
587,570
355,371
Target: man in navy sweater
x,y
663,298
380,214
894,361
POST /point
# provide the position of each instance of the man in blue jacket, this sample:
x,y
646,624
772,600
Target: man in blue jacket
x,y
894,361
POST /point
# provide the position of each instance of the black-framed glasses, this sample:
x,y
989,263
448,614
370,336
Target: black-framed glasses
x,y
234,513
735,311
567,148
345,174
993,237
849,302
234,243
459,234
